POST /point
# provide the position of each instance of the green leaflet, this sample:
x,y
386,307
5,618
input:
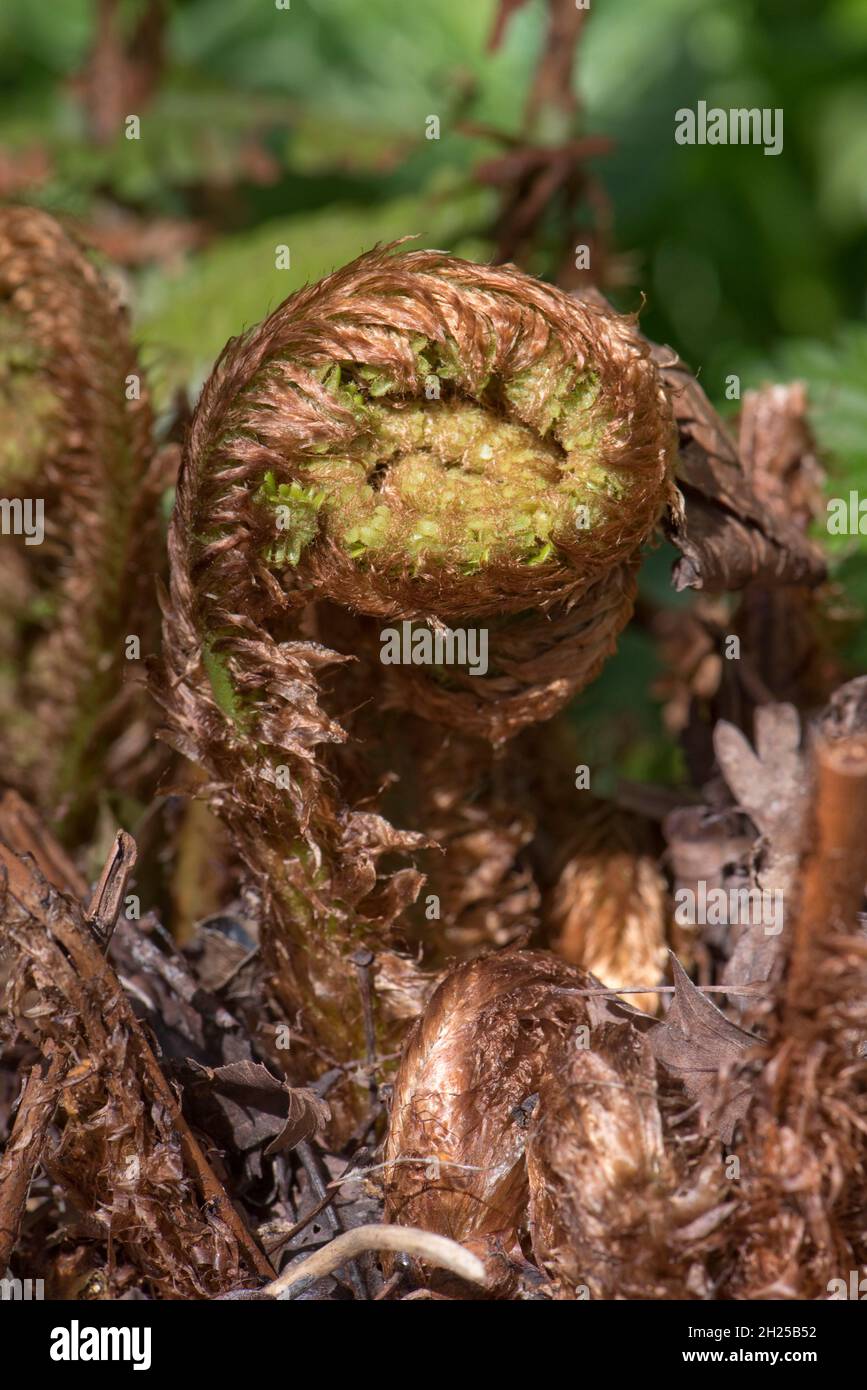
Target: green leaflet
x,y
296,511
225,694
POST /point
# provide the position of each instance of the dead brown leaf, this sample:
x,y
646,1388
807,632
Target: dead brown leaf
x,y
701,1047
258,1108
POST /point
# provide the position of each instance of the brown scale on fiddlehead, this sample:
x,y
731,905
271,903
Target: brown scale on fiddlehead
x,y
416,440
75,440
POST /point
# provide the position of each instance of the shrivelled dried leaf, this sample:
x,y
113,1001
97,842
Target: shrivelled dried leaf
x,y
258,1107
802,1213
23,1149
727,534
703,1049
771,785
768,783
403,987
120,1145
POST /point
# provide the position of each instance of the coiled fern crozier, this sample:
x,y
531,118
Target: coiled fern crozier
x,y
416,440
75,442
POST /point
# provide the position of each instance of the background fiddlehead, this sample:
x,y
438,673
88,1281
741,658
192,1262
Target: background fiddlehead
x,y
76,443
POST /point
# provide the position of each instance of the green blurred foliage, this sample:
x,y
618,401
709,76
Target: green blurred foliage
x,y
748,264
733,249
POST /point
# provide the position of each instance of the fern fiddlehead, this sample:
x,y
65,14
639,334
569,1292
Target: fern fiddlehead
x,y
415,442
76,423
